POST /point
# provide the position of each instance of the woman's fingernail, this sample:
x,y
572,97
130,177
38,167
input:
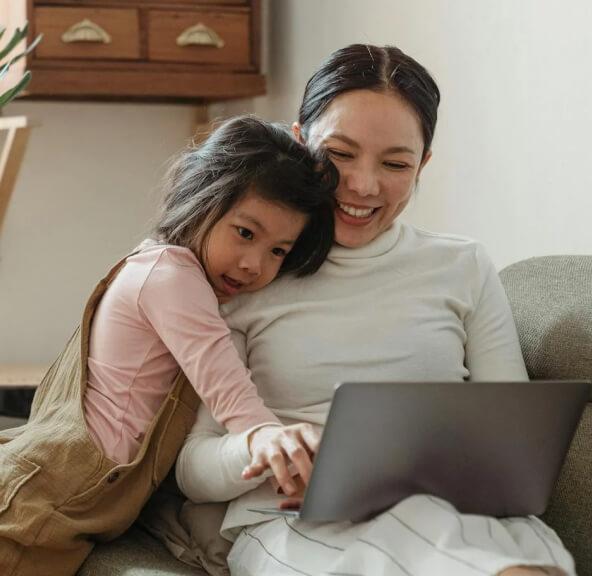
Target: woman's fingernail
x,y
290,489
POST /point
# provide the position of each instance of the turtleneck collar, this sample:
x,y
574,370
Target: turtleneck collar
x,y
382,244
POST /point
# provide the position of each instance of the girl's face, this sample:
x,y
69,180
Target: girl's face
x,y
375,141
246,247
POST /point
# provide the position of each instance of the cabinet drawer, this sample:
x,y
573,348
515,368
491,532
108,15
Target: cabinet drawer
x,y
199,37
88,33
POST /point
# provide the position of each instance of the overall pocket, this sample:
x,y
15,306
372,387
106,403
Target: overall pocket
x,y
22,509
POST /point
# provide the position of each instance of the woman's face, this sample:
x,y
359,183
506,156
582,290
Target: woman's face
x,y
375,141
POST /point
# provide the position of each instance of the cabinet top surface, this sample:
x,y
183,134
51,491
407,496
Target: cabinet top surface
x,y
141,3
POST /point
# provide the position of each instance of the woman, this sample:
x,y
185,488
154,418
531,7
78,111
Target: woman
x,y
391,302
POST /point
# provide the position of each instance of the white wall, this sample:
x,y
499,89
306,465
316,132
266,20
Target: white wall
x,y
85,195
510,167
511,162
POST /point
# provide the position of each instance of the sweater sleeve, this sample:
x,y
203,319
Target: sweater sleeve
x,y
492,348
210,463
180,305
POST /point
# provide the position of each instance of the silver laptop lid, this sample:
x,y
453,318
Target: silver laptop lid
x,y
492,448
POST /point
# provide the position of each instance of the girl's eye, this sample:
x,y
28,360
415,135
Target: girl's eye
x,y
279,252
244,233
338,153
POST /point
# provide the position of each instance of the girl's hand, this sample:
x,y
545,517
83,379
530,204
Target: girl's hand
x,y
276,447
294,502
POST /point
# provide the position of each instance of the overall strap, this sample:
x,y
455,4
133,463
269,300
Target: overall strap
x,y
65,381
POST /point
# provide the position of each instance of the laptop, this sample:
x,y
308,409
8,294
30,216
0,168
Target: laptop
x,y
492,448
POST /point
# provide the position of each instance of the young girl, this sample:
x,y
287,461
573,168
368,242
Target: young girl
x,y
111,414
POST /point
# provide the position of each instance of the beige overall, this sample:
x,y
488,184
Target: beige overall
x,y
58,493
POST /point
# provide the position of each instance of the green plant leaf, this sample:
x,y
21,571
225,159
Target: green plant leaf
x,y
17,36
29,49
13,92
4,70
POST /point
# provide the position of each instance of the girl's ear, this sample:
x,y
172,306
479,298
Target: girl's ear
x,y
297,132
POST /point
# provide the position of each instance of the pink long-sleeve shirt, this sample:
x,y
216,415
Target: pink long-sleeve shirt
x,y
159,314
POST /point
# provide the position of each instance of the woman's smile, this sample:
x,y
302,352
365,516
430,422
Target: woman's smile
x,y
354,215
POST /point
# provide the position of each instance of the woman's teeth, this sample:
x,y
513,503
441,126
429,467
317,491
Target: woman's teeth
x,y
356,212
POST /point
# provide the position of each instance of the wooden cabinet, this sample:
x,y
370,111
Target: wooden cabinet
x,y
188,50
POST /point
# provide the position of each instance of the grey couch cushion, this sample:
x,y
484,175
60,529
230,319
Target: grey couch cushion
x,y
551,298
136,553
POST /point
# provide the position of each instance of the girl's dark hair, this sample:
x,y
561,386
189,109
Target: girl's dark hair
x,y
245,154
379,68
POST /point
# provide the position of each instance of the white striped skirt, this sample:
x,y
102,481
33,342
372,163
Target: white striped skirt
x,y
421,536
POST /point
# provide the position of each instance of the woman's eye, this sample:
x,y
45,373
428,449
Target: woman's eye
x,y
395,165
244,233
338,153
279,252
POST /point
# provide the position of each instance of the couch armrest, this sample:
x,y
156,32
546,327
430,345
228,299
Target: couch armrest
x,y
551,301
570,510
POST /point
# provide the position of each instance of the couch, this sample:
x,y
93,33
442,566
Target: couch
x,y
551,298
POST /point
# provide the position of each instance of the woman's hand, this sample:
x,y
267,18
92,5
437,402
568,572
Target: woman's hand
x,y
276,447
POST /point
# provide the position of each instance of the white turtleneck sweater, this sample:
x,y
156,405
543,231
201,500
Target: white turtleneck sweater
x,y
411,305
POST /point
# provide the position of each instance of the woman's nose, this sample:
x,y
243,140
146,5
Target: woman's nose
x,y
363,181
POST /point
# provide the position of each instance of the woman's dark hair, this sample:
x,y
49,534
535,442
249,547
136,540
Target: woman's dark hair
x,y
247,154
379,68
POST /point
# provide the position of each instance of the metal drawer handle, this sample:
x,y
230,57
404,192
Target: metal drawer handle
x,y
200,35
86,31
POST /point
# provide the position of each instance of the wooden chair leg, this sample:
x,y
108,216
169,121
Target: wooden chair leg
x,y
11,157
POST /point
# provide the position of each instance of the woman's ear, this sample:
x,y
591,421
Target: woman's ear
x,y
425,160
297,133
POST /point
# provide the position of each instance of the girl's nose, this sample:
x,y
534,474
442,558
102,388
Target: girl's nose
x,y
250,262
